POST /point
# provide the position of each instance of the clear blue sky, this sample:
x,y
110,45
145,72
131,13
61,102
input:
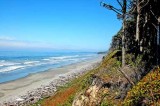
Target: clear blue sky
x,y
56,25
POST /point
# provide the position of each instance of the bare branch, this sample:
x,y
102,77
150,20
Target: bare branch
x,y
111,8
154,15
117,9
145,24
144,4
140,2
154,26
133,9
119,3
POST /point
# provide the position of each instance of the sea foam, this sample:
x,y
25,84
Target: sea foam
x,y
10,68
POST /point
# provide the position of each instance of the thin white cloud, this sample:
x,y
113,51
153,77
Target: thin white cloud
x,y
9,42
6,38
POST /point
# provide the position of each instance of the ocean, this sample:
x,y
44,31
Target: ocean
x,y
19,64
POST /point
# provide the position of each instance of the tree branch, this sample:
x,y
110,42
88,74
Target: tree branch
x,y
154,26
111,8
154,15
119,3
144,4
133,8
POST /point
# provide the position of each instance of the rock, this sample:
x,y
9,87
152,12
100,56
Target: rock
x,y
19,99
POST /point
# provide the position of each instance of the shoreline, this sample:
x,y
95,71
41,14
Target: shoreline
x,y
10,91
41,72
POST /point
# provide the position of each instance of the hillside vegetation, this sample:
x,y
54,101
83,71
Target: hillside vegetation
x,y
146,92
103,85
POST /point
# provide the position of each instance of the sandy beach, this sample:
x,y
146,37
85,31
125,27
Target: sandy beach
x,y
15,89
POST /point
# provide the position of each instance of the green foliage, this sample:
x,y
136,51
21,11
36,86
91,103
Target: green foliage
x,y
109,56
138,60
110,65
106,103
147,91
134,62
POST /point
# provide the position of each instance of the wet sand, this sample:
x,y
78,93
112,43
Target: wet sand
x,y
14,89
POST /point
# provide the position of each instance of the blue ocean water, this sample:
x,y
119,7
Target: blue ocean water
x,y
18,64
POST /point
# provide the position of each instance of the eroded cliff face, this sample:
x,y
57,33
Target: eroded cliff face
x,y
90,96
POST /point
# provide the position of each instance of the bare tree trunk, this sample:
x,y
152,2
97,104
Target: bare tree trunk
x,y
123,35
139,42
140,4
123,44
158,42
137,28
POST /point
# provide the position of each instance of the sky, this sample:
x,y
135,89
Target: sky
x,y
78,25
